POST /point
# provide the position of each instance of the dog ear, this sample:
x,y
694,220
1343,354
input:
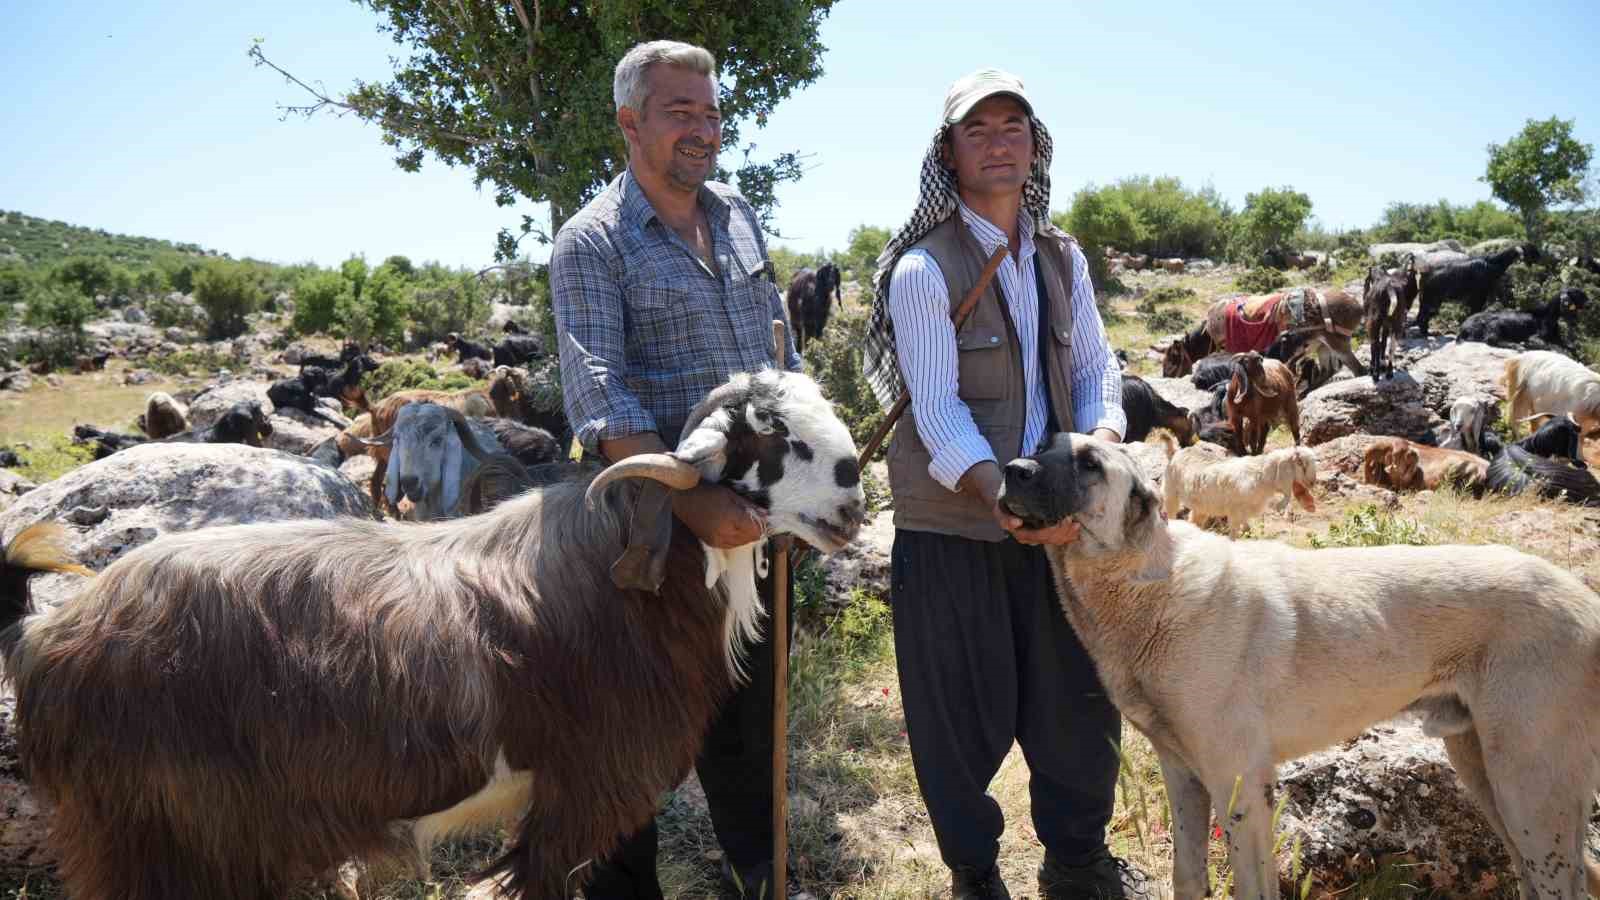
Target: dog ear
x,y
1145,529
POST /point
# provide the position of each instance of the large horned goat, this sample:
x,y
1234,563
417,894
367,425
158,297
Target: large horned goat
x,y
229,710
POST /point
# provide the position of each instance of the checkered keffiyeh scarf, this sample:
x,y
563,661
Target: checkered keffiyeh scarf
x,y
937,202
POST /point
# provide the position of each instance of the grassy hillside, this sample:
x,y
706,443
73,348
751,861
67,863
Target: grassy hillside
x,y
45,242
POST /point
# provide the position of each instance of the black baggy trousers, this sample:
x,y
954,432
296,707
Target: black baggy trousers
x,y
986,656
735,768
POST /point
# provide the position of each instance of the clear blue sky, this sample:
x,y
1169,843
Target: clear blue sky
x,y
147,118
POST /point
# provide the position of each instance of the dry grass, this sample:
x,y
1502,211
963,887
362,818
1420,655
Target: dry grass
x,y
42,416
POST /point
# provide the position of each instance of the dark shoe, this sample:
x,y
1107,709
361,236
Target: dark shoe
x,y
1103,877
970,883
753,882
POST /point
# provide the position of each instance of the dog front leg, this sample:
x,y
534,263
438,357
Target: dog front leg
x,y
1244,807
1191,820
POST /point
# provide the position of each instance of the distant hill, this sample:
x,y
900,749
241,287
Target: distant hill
x,y
44,242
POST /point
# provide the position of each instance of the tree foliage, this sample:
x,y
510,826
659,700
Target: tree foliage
x,y
228,293
58,307
1270,220
1425,222
1541,167
520,92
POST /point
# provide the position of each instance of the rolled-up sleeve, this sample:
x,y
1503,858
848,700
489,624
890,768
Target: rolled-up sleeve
x,y
588,304
1096,375
925,341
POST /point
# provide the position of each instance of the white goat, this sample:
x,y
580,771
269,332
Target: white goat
x,y
1469,416
1542,383
1214,485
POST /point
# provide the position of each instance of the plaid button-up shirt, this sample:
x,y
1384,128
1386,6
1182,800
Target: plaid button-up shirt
x,y
646,329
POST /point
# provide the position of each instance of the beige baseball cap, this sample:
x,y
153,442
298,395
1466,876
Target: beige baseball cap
x,y
972,89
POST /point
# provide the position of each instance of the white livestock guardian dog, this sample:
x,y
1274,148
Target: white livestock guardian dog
x,y
1234,656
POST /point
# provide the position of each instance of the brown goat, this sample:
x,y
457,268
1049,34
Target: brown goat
x,y
1387,298
471,402
1403,465
224,712
1260,393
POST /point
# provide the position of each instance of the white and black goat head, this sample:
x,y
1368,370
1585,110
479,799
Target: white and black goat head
x,y
433,450
772,438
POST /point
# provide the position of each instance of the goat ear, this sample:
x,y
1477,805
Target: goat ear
x,y
391,477
643,563
454,475
706,448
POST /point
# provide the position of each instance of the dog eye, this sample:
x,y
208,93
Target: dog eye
x,y
1090,463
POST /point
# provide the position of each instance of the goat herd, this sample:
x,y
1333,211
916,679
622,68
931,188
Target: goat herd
x,y
238,709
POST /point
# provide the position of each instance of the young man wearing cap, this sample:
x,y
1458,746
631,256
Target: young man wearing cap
x,y
985,655
662,253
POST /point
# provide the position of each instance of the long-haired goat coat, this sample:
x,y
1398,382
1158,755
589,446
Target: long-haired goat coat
x,y
227,711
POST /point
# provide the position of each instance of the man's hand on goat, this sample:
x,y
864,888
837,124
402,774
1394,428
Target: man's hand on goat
x,y
718,516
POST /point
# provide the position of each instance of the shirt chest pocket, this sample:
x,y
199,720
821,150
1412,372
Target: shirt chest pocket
x,y
665,321
981,358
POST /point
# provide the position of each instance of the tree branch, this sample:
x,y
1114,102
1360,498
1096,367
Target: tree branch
x,y
412,128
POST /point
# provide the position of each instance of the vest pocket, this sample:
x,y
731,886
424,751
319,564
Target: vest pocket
x,y
982,369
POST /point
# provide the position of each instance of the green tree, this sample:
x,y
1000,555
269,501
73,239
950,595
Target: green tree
x,y
520,92
443,301
228,294
59,307
1269,222
401,264
374,305
14,283
89,275
315,299
860,259
1542,166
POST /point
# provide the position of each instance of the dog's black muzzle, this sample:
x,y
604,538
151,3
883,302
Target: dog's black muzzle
x,y
1041,489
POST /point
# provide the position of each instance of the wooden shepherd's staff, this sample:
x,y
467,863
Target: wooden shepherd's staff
x,y
780,601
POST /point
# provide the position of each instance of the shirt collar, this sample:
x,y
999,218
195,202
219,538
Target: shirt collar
x,y
989,235
637,210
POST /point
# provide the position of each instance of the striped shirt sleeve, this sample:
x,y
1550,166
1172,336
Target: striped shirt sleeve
x,y
925,340
588,306
1096,375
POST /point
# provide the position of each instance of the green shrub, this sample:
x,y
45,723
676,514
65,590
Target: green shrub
x,y
1166,321
168,313
193,359
1261,280
1270,220
376,308
1165,294
1368,526
60,309
89,275
443,301
228,294
315,299
407,374
834,360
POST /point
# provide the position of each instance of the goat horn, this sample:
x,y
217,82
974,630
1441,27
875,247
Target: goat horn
x,y
464,431
663,467
1534,416
383,440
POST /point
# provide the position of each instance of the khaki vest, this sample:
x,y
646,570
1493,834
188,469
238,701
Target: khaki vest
x,y
990,380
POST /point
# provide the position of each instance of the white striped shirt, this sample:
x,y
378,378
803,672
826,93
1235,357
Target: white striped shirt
x,y
925,340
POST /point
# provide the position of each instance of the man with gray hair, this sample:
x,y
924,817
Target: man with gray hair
x,y
662,289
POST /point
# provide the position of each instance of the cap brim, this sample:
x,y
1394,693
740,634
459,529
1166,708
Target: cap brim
x,y
965,107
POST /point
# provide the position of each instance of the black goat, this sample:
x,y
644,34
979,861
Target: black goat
x,y
466,349
1147,409
301,392
512,326
1516,470
1586,263
1471,281
1214,370
517,349
1516,327
244,423
531,446
104,443
810,300
1386,298
349,351
1307,355
9,458
1558,438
